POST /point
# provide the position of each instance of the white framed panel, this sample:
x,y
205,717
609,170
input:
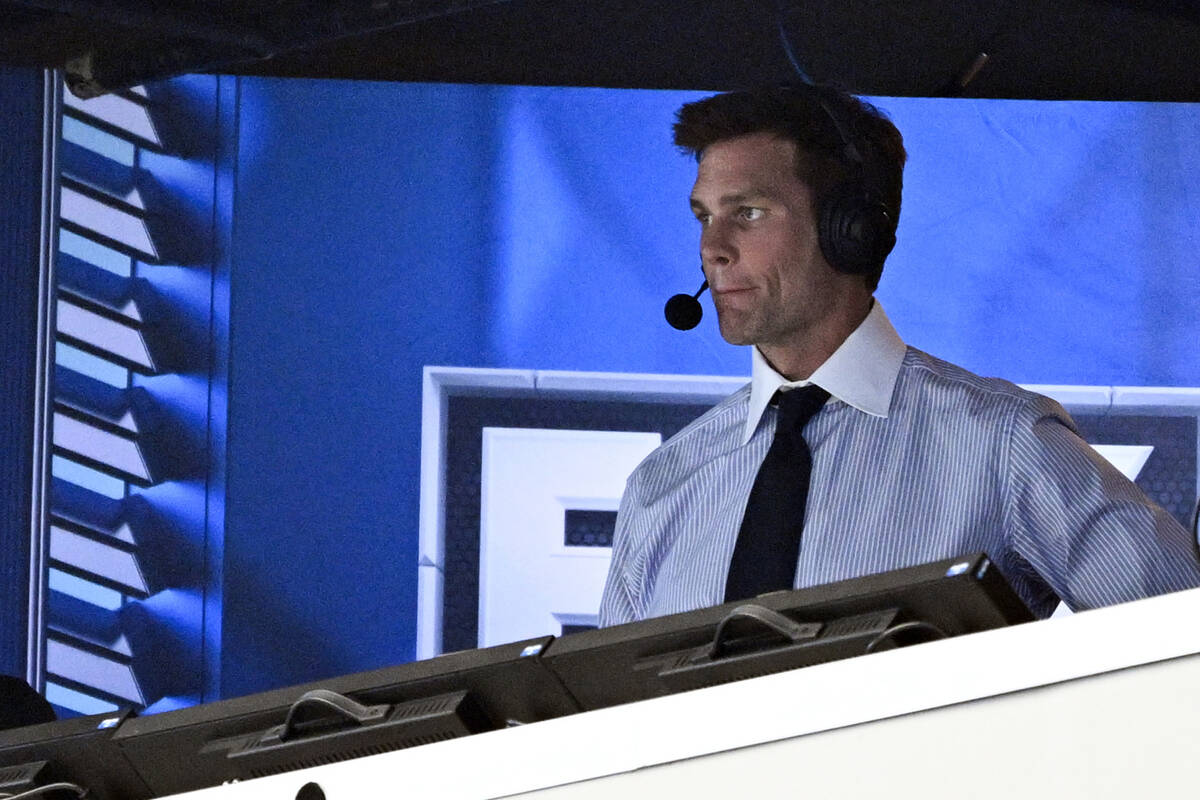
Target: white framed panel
x,y
531,582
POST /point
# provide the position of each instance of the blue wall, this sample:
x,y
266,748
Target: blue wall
x,y
21,168
361,250
382,227
1051,242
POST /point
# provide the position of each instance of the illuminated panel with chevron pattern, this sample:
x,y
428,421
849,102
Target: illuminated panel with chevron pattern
x,y
125,596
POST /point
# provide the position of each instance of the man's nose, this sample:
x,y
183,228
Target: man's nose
x,y
716,245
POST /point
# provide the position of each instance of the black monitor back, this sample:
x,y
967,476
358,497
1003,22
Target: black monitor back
x,y
663,655
472,690
79,750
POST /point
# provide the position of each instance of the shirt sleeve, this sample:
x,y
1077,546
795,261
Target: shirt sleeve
x,y
1080,524
616,604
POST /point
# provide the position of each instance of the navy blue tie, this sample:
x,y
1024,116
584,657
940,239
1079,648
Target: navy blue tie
x,y
768,543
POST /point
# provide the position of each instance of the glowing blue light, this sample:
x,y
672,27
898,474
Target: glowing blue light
x,y
98,141
77,701
86,591
87,477
95,253
93,366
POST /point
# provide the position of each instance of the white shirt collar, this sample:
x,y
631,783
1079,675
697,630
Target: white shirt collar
x,y
861,372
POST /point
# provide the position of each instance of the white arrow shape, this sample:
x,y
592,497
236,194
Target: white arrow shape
x,y
1128,458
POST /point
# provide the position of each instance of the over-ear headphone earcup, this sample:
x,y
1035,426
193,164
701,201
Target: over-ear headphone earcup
x,y
855,232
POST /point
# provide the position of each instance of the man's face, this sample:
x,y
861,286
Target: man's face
x,y
758,245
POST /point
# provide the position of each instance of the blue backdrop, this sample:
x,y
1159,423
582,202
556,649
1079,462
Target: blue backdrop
x,y
21,92
382,227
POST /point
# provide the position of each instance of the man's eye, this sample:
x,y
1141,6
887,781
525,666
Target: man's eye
x,y
703,219
750,214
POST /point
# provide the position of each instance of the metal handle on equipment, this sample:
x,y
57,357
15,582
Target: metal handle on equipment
x,y
795,631
341,705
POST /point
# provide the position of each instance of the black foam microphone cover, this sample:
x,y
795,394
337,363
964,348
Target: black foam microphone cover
x,y
683,311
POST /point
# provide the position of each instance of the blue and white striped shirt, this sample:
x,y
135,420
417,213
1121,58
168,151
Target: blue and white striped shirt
x,y
914,460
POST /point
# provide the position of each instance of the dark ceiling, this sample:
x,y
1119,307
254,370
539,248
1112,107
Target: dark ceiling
x,y
1048,49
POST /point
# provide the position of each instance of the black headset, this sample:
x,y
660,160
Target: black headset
x,y
856,229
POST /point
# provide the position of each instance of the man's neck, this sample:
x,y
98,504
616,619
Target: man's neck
x,y
799,358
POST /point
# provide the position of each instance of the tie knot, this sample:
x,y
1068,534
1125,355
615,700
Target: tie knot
x,y
797,407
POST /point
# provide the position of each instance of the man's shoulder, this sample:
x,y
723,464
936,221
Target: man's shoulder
x,y
941,382
713,425
716,430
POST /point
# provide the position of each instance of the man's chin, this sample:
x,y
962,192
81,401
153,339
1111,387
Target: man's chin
x,y
736,336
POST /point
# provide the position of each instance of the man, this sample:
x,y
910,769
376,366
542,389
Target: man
x,y
912,459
